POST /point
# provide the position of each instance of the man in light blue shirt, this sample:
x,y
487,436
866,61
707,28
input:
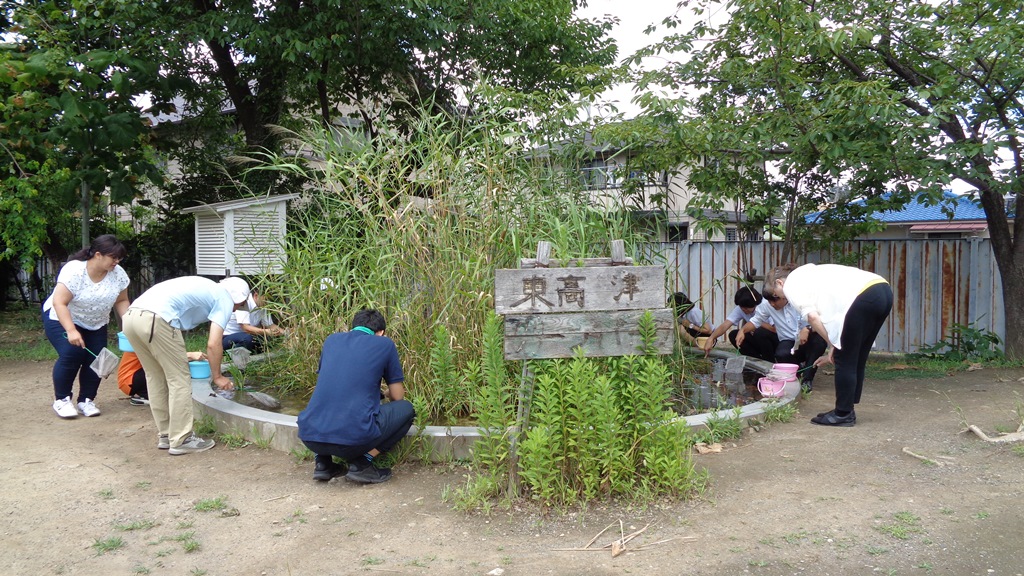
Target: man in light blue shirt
x,y
153,326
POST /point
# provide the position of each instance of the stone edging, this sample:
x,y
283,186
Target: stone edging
x,y
281,432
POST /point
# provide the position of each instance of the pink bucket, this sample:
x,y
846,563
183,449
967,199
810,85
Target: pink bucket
x,y
786,369
771,388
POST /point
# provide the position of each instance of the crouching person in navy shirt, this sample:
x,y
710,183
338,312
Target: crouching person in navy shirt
x,y
345,416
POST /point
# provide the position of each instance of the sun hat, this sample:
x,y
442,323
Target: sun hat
x,y
237,288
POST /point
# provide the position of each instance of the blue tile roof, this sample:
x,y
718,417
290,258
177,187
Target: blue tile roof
x,y
963,209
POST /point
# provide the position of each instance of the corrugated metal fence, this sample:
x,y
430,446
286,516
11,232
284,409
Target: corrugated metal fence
x,y
936,283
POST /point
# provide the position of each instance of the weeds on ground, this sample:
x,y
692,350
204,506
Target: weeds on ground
x,y
905,525
211,504
259,440
136,525
108,545
233,440
302,454
205,426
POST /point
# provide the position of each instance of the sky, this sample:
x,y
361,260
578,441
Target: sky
x,y
633,17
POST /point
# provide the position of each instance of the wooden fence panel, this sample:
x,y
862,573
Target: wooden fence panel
x,y
936,283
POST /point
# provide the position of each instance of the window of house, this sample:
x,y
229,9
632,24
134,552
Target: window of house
x,y
731,235
678,232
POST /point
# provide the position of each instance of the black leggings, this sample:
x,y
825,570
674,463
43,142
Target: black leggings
x,y
863,321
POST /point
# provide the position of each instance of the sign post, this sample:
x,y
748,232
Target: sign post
x,y
591,304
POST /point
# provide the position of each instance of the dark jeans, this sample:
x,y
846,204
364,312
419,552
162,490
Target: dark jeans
x,y
243,340
394,421
864,319
761,343
72,360
805,354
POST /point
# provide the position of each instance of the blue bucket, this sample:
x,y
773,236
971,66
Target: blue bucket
x,y
122,343
199,369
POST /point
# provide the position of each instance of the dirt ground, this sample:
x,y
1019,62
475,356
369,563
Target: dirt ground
x,y
791,499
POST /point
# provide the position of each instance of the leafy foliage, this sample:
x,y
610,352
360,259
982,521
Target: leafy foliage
x,y
853,99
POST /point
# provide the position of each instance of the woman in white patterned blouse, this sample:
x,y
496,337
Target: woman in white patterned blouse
x,y
75,319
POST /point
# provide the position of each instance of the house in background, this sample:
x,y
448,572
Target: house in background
x,y
954,218
659,198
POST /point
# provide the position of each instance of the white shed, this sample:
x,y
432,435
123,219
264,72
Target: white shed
x,y
241,236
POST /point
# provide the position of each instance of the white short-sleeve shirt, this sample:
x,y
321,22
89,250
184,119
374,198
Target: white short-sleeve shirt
x,y
90,301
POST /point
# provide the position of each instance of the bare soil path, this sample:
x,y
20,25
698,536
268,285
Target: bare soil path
x,y
791,499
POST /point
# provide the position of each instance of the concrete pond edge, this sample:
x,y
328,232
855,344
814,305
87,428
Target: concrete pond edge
x,y
442,443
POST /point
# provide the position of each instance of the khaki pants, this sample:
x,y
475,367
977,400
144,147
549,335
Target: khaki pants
x,y
161,349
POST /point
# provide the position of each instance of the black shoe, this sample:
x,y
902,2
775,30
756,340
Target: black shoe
x,y
807,386
368,474
831,419
324,471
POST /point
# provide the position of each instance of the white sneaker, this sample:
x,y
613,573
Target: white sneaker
x,y
64,408
163,442
87,408
191,444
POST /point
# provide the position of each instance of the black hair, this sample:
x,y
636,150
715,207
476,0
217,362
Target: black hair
x,y
107,244
370,318
680,302
747,297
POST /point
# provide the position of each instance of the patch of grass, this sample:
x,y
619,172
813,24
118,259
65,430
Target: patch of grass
x,y
108,545
140,569
197,572
876,550
302,455
297,516
776,412
205,426
143,485
22,336
233,440
905,525
1018,450
186,524
981,515
372,561
106,494
135,525
946,511
191,545
261,442
211,504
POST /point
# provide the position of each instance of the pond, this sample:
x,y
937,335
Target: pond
x,y
707,385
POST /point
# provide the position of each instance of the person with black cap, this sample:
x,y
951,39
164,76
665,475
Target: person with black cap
x,y
153,325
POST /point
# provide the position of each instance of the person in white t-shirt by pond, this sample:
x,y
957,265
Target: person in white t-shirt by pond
x,y
797,343
847,307
75,319
690,317
251,326
153,326
761,343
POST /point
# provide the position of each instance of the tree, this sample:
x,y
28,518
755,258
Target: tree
x,y
895,97
71,127
296,58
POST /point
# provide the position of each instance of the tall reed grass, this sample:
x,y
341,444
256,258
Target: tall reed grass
x,y
415,224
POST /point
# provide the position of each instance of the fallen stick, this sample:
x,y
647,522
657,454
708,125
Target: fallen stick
x,y
279,497
924,459
1017,436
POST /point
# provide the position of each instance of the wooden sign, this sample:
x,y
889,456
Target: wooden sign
x,y
533,336
546,290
